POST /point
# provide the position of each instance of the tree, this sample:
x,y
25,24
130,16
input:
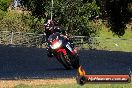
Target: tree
x,y
118,14
37,7
75,15
4,4
12,21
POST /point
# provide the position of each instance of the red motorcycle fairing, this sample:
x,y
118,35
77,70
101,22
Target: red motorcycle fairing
x,y
62,50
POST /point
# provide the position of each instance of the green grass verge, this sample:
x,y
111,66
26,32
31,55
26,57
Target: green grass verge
x,y
128,85
123,43
108,34
110,42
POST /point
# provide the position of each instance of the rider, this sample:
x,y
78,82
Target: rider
x,y
50,28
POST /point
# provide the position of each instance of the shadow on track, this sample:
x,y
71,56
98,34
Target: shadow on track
x,y
32,63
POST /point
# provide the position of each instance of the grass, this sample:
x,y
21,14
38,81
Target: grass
x,y
108,34
128,85
108,41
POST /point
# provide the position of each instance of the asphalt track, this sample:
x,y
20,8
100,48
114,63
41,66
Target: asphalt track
x,y
32,63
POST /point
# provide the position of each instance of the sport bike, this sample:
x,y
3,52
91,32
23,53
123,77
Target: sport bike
x,y
63,50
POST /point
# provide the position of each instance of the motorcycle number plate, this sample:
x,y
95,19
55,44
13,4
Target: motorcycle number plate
x,y
68,46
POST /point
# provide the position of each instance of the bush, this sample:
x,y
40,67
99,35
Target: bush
x,y
12,21
19,22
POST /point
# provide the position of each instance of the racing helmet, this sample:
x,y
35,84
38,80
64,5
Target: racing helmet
x,y
49,25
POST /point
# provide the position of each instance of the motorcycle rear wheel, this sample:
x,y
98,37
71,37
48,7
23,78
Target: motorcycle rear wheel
x,y
75,61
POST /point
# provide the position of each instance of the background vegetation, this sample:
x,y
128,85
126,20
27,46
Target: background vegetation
x,y
79,17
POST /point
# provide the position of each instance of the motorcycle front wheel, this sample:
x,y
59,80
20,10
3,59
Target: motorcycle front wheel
x,y
64,60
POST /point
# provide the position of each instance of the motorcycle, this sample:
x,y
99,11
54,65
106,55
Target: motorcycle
x,y
63,51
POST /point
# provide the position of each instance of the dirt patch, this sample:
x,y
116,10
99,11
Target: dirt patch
x,y
34,82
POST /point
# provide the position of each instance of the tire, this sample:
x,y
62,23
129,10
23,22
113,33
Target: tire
x,y
75,62
64,61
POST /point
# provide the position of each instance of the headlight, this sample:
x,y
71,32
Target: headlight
x,y
56,45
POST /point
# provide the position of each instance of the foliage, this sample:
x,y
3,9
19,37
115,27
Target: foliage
x,y
4,4
75,15
37,7
118,13
2,13
18,22
12,22
35,24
